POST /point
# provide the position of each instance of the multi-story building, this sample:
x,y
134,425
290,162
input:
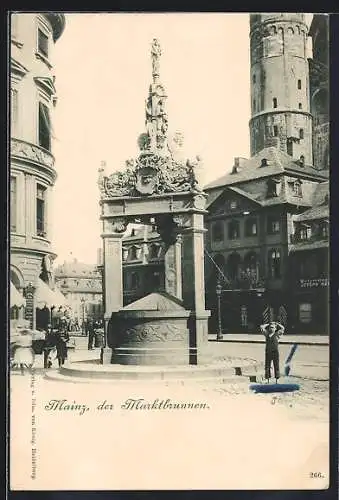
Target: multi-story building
x,y
32,165
257,210
82,286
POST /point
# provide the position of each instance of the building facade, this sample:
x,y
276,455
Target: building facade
x,y
319,89
267,239
82,286
32,165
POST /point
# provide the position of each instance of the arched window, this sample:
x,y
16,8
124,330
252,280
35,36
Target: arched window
x,y
133,253
300,106
275,102
274,264
234,265
233,230
218,231
299,84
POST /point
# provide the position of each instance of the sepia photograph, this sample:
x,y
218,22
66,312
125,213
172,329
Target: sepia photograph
x,y
169,283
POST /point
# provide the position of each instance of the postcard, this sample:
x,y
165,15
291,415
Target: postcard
x,y
169,276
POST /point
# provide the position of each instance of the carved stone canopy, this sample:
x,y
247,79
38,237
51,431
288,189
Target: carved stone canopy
x,y
154,171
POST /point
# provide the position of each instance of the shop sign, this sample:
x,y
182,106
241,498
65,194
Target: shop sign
x,y
314,283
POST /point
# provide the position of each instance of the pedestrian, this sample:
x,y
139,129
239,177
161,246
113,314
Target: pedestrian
x,y
90,333
23,353
49,347
272,331
62,338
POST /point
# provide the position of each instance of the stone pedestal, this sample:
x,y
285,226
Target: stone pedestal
x,y
151,331
112,285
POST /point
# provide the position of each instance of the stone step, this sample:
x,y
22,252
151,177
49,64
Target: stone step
x,y
231,380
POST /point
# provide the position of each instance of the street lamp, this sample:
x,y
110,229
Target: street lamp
x,y
82,300
218,291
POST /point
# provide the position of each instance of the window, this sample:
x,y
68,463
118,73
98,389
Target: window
x,y
251,228
299,84
273,225
133,253
305,232
42,43
254,78
254,104
274,264
233,230
275,102
14,110
305,313
296,188
154,251
233,266
301,133
40,210
300,106
324,230
275,130
233,205
135,280
44,127
13,202
218,231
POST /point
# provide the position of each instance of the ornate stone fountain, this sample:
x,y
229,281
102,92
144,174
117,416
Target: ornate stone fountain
x,y
155,188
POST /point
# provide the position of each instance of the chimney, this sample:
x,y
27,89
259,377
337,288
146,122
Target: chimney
x,y
236,166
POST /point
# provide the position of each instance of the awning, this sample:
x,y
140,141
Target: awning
x,y
16,298
45,297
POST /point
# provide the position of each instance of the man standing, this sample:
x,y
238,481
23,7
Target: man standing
x,y
90,333
272,332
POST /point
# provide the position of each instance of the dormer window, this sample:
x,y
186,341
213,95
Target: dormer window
x,y
263,162
296,188
272,185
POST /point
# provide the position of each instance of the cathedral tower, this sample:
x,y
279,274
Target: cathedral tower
x,y
280,109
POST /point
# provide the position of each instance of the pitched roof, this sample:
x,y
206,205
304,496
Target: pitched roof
x,y
278,162
319,206
75,268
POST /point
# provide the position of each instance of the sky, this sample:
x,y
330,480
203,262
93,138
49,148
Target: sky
x,y
102,65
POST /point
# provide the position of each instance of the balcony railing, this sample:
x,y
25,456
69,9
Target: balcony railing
x,y
297,238
33,152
